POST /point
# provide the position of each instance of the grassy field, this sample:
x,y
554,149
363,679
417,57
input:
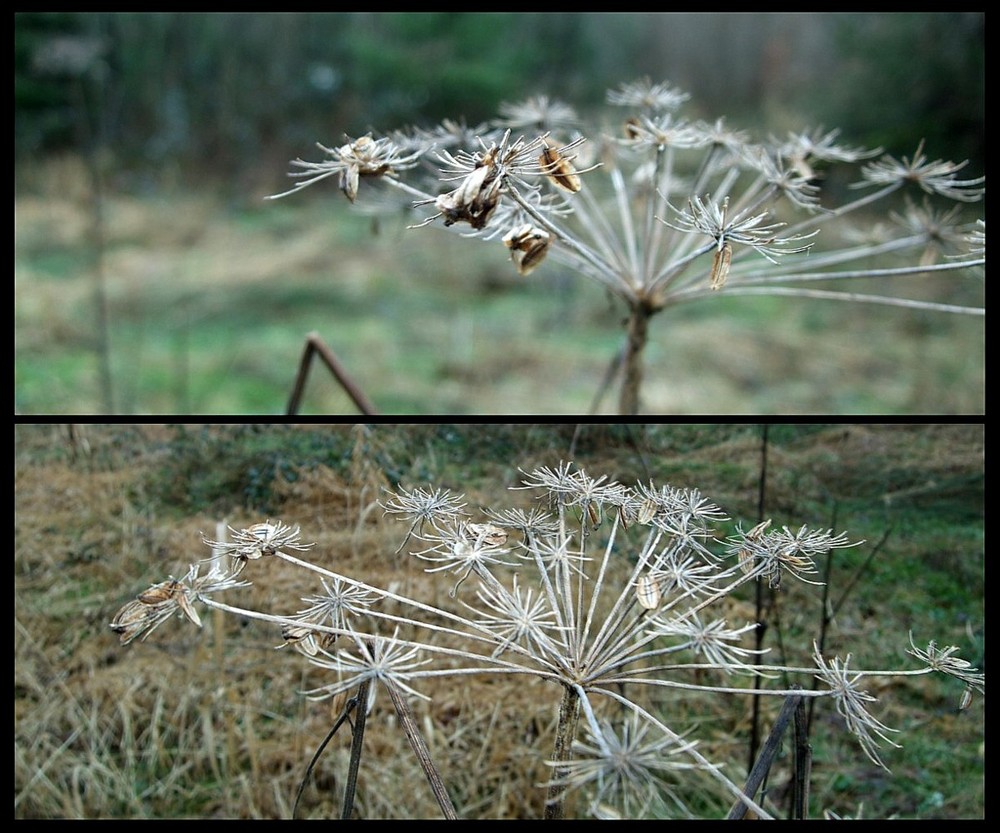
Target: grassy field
x,y
209,302
212,723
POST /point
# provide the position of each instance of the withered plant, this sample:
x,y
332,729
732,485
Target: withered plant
x,y
614,595
661,210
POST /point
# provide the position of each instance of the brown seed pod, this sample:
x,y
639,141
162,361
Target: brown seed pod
x,y
159,593
528,246
558,169
647,591
746,561
492,536
131,620
720,266
595,515
474,201
186,607
646,512
349,181
301,637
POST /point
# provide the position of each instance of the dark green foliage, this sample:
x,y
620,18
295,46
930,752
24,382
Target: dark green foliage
x,y
222,466
217,91
43,95
908,76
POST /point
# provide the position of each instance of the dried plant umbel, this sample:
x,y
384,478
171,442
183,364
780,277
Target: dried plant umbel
x,y
661,210
609,592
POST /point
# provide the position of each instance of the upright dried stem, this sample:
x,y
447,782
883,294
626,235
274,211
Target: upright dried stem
x,y
635,344
359,737
419,747
569,718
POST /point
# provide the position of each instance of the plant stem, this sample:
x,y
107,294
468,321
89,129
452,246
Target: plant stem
x,y
569,717
638,331
763,765
359,736
419,747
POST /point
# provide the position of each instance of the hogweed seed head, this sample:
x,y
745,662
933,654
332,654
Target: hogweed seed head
x,y
602,589
944,661
851,702
519,181
937,177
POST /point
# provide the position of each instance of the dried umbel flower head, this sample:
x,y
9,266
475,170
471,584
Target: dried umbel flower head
x,y
602,617
683,206
256,541
152,607
361,157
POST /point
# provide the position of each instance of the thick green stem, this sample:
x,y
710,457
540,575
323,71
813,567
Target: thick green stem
x,y
569,717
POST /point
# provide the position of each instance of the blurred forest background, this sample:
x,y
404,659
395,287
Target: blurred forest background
x,y
145,142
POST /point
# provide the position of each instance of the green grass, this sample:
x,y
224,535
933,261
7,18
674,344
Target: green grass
x,y
210,303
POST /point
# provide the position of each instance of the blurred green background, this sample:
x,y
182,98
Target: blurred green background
x,y
151,277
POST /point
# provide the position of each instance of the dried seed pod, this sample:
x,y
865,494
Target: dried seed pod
x,y
558,169
528,246
647,591
131,620
632,126
720,266
264,533
184,603
623,516
966,699
159,593
472,186
474,201
595,515
492,536
325,640
646,512
758,531
349,181
301,637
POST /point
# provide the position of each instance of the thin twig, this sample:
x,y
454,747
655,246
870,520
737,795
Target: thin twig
x,y
344,715
759,603
316,346
803,764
